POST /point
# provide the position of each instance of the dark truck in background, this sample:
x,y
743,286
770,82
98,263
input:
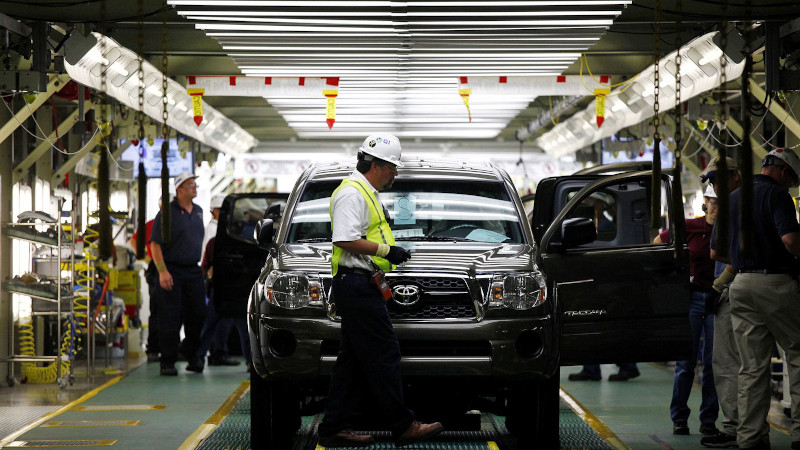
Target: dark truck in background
x,y
490,305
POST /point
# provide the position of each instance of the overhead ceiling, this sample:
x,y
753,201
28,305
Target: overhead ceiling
x,y
393,52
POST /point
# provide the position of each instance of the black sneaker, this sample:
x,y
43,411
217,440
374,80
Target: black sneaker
x,y
680,428
222,362
153,357
721,440
708,429
624,375
582,376
169,371
195,365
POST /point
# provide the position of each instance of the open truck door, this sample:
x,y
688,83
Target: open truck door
x,y
619,296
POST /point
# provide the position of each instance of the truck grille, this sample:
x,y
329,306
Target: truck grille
x,y
439,298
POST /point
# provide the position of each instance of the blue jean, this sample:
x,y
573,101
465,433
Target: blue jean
x,y
702,324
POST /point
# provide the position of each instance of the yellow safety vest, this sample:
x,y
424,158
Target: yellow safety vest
x,y
378,231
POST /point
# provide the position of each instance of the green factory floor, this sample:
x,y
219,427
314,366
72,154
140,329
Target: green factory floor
x,y
142,410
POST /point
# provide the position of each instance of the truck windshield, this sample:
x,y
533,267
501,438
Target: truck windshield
x,y
425,209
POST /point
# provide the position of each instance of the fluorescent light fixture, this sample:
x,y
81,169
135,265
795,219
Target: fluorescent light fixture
x,y
699,73
121,68
398,62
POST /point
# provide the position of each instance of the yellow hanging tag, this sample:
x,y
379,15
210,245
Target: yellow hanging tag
x,y
197,104
330,108
464,93
600,105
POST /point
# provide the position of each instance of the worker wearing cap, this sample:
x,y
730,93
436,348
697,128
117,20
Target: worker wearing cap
x,y
725,360
701,277
211,228
765,296
368,362
180,294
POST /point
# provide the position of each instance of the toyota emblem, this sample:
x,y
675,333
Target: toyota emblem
x,y
406,294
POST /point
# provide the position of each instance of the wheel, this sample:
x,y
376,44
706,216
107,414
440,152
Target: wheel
x,y
71,380
532,413
274,413
11,381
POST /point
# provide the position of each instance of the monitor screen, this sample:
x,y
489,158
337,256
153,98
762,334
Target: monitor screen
x,y
176,163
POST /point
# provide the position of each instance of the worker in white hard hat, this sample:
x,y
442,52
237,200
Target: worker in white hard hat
x,y
368,364
701,279
765,295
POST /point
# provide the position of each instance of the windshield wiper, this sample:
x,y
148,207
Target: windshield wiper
x,y
309,240
434,238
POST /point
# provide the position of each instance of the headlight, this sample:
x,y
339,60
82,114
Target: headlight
x,y
517,291
293,290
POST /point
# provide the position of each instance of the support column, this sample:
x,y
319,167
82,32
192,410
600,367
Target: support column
x,y
6,311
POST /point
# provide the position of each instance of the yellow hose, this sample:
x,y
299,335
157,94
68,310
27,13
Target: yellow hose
x,y
33,374
85,276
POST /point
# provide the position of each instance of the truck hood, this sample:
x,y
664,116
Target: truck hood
x,y
459,257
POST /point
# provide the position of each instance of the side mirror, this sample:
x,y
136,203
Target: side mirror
x,y
577,231
264,233
275,211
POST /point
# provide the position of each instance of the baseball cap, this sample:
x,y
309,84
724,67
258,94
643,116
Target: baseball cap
x,y
183,176
711,168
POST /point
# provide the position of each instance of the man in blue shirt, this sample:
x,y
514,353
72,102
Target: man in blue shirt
x,y
180,294
765,296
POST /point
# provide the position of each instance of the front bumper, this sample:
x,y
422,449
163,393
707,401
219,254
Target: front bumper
x,y
518,348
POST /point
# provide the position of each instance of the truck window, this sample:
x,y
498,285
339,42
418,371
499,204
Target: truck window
x,y
422,209
246,213
621,214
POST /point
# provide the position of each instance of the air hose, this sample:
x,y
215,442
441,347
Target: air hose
x,y
33,374
85,276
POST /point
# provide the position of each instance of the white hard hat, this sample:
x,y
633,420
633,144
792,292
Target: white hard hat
x,y
709,192
383,146
787,156
216,201
183,176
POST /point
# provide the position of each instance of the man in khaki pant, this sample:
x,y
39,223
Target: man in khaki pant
x,y
765,296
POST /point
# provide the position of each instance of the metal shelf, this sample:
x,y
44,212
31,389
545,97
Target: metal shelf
x,y
47,299
23,232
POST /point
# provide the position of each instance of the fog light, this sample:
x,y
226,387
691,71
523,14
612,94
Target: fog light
x,y
529,344
282,343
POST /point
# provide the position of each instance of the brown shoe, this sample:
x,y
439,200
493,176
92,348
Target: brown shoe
x,y
417,432
346,438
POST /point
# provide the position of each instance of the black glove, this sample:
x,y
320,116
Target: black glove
x,y
712,301
397,255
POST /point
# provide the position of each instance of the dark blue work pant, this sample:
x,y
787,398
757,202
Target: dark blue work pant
x,y
183,305
151,276
702,324
368,361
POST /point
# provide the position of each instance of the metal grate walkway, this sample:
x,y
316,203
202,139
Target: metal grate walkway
x,y
234,434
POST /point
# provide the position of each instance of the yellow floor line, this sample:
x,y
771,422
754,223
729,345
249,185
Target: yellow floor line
x,y
13,436
212,422
597,425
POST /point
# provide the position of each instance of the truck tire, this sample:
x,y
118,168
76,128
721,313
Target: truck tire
x,y
274,413
532,413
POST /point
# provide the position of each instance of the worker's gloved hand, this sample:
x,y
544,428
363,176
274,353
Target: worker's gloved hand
x,y
397,255
714,297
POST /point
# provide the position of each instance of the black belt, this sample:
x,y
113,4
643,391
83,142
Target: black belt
x,y
355,270
767,271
